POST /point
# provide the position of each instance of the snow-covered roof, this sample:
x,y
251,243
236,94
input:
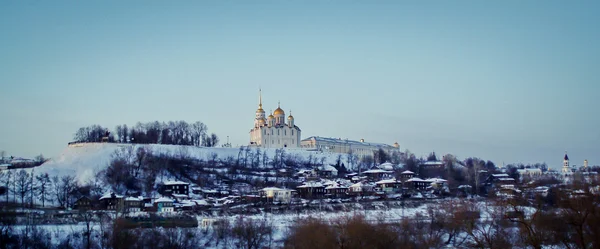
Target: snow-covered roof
x,y
336,186
346,141
387,181
524,171
415,179
386,166
180,195
356,185
271,189
130,198
375,171
432,163
506,179
275,189
435,180
6,165
110,195
175,183
329,168
499,175
201,202
311,185
407,172
163,199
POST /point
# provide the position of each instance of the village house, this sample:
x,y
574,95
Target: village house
x,y
336,190
499,179
418,183
407,174
164,204
84,203
112,201
389,185
273,194
377,174
133,204
327,171
360,189
174,187
529,172
311,190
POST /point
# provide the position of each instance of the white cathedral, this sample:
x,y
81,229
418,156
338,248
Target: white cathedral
x,y
273,131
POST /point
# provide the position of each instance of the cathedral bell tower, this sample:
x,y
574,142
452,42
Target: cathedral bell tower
x,y
566,168
260,113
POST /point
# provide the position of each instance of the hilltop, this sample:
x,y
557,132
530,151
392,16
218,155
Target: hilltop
x,y
83,160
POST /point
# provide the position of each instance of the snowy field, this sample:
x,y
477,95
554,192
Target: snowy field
x,y
280,222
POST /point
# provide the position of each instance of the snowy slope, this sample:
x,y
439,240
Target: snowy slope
x,y
85,159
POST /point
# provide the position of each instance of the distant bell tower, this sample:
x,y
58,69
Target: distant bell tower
x,y
566,168
585,164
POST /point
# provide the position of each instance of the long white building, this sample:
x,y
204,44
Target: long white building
x,y
337,145
273,131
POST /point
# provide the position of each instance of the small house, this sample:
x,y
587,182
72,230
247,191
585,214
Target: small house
x,y
133,204
112,201
164,204
310,190
277,194
174,187
84,203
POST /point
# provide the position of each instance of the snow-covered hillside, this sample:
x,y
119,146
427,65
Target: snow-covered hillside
x,y
85,159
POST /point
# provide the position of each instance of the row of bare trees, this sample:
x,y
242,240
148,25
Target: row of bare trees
x,y
172,132
28,189
502,223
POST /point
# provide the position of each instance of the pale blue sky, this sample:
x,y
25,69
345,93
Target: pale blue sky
x,y
511,81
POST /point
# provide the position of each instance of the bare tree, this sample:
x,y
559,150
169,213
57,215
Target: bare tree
x,y
63,189
252,234
198,132
22,185
6,180
211,140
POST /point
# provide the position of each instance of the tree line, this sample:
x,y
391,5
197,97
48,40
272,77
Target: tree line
x,y
172,132
30,190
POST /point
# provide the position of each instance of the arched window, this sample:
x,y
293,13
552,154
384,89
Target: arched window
x,y
277,132
265,132
285,132
292,132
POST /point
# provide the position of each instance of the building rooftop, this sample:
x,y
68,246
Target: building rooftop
x,y
346,141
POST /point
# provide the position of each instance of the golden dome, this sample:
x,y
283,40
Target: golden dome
x,y
290,117
260,110
271,116
278,111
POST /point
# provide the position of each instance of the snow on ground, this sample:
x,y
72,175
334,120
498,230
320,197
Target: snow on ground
x,y
83,160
